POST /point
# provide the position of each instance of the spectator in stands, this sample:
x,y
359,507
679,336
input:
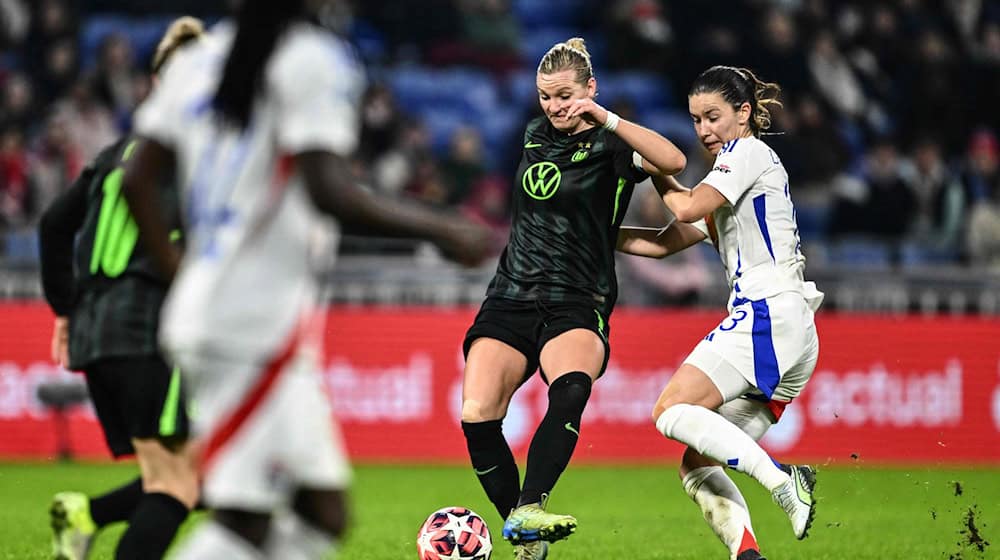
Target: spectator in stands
x,y
780,52
491,36
834,79
640,26
18,108
55,161
59,70
14,178
939,216
112,77
884,208
90,125
982,184
463,168
14,21
381,122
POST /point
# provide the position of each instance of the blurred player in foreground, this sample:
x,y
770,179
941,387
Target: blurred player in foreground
x,y
550,303
760,357
259,120
108,308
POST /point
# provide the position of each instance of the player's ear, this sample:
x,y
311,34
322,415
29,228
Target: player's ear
x,y
592,87
743,114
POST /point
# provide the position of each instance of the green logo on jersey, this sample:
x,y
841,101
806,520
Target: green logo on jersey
x,y
541,180
116,229
580,155
530,145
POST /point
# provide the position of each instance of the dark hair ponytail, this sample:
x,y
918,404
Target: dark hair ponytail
x,y
260,24
738,86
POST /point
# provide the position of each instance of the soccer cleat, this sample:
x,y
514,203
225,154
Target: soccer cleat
x,y
536,550
796,498
72,526
750,554
529,523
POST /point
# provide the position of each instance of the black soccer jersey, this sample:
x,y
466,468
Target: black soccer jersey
x,y
94,268
570,195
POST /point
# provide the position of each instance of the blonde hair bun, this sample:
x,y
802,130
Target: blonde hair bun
x,y
180,32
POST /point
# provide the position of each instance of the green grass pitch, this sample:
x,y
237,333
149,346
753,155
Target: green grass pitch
x,y
635,513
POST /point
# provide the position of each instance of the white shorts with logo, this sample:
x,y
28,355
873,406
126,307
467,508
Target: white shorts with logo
x,y
766,346
264,430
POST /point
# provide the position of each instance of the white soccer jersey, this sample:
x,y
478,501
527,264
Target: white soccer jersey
x,y
758,236
246,278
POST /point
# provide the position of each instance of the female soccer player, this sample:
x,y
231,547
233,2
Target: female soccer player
x,y
107,316
259,119
759,358
549,304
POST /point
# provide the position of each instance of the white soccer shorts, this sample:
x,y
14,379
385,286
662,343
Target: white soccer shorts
x,y
768,346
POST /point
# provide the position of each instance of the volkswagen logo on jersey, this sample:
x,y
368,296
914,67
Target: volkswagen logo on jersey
x,y
541,180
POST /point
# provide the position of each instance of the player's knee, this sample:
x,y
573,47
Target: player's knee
x,y
167,472
477,411
666,416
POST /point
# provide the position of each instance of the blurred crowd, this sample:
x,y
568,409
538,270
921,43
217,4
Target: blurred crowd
x,y
888,130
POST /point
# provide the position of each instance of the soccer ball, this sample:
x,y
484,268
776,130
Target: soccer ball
x,y
454,533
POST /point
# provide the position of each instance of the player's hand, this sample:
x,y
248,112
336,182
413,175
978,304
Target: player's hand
x,y
589,111
60,341
466,242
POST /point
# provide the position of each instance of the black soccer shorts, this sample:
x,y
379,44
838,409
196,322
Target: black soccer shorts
x,y
137,397
528,325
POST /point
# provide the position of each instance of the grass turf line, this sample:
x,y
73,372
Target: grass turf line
x,y
639,513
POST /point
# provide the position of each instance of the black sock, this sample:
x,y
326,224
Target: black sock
x,y
556,436
494,463
151,528
116,505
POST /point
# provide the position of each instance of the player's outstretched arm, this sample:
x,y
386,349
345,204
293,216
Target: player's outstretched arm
x,y
659,155
328,180
149,163
658,243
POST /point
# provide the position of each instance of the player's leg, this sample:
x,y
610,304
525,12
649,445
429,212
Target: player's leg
x,y
500,355
314,460
239,431
719,370
707,484
574,354
312,528
158,423
74,517
170,492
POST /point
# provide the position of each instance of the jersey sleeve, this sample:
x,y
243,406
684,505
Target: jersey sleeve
x,y
737,167
56,234
624,160
317,84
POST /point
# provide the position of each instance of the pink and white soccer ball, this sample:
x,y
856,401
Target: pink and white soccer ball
x,y
454,533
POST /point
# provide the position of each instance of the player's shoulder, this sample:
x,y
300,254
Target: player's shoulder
x,y
306,44
536,126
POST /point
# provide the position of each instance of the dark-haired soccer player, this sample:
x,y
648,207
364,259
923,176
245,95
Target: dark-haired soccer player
x,y
259,120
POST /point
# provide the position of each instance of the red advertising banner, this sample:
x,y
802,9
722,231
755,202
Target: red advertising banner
x,y
906,389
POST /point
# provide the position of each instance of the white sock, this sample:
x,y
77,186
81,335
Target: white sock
x,y
291,538
212,541
719,439
721,503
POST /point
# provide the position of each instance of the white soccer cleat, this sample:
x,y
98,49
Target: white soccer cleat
x,y
796,498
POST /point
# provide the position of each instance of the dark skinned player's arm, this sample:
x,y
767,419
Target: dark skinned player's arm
x,y
328,180
147,167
